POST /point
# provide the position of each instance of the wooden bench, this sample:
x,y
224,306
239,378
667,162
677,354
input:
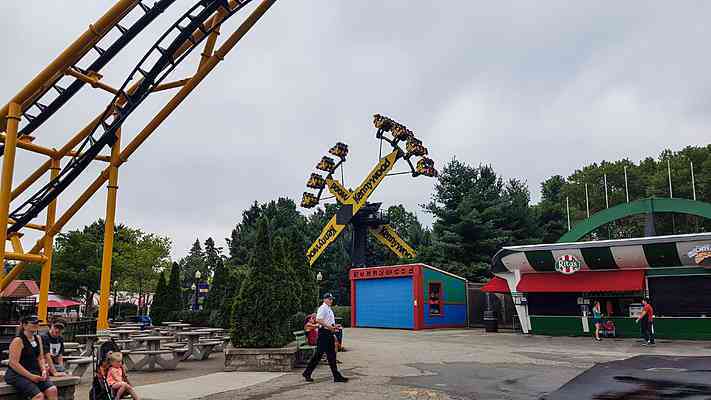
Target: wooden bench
x,y
304,351
65,385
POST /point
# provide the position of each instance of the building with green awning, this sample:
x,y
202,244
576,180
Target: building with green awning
x,y
555,285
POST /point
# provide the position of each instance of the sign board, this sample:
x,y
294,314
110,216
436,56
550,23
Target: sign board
x,y
567,264
701,255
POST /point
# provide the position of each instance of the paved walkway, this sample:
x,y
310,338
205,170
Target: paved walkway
x,y
195,388
438,365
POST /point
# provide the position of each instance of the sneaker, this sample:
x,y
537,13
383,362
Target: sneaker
x,y
645,343
340,379
307,378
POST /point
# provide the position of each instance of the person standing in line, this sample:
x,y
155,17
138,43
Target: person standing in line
x,y
325,342
597,319
647,320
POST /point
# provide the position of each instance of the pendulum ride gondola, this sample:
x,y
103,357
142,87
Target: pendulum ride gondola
x,y
355,210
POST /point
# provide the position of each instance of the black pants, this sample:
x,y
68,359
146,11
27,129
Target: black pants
x,y
325,344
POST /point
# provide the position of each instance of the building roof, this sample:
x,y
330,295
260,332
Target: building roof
x,y
20,288
638,253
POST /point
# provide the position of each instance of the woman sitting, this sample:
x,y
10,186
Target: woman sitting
x,y
27,371
311,329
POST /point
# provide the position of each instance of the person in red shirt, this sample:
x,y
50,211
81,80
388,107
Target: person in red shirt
x,y
647,319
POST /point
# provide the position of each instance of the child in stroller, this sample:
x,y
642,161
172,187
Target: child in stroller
x,y
110,380
117,378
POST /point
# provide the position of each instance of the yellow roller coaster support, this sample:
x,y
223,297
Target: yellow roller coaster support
x,y
8,166
48,251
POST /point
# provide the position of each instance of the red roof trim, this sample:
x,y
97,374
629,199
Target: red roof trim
x,y
496,285
583,282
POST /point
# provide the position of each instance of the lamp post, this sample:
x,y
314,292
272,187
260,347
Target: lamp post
x,y
196,288
319,278
115,297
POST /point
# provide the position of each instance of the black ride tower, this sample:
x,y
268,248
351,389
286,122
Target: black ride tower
x,y
367,217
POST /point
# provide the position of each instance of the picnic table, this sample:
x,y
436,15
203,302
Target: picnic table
x,y
92,340
124,334
152,357
216,334
197,349
179,327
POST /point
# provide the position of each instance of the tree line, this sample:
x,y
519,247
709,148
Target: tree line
x,y
475,212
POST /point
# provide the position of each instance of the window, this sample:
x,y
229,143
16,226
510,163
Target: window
x,y
435,298
681,296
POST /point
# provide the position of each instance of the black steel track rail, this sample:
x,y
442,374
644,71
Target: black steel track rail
x,y
148,74
104,56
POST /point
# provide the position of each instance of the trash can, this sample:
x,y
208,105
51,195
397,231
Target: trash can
x,y
491,323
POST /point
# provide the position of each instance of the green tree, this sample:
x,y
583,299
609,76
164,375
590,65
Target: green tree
x,y
213,256
174,297
262,293
76,265
159,312
145,259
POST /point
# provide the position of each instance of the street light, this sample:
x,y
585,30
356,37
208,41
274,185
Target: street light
x,y
196,288
116,313
319,278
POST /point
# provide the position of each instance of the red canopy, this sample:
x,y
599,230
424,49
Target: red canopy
x,y
62,303
583,282
496,285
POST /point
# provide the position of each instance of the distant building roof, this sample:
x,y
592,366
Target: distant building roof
x,y
20,288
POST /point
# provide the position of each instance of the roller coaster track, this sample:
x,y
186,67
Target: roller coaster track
x,y
104,56
168,51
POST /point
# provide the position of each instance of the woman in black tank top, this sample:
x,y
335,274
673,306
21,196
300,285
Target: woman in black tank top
x,y
27,371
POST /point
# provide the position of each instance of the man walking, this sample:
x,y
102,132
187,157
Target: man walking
x,y
647,320
325,342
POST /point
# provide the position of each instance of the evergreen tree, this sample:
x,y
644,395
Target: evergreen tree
x,y
193,262
174,298
212,257
263,294
159,310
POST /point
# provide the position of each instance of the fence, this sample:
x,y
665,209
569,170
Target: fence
x,y
80,327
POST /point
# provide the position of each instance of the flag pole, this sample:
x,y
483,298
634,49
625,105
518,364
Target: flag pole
x,y
671,193
693,183
627,189
567,207
587,200
607,199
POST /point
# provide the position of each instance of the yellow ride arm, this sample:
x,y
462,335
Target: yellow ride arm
x,y
351,206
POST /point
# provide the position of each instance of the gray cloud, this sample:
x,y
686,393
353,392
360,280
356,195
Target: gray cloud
x,y
533,89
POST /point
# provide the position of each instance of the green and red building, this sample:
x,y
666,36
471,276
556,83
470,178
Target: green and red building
x,y
555,285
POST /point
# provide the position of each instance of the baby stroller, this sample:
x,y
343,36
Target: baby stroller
x,y
100,389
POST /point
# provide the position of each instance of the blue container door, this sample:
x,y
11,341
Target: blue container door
x,y
385,303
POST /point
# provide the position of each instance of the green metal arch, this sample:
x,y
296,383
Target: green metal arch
x,y
645,206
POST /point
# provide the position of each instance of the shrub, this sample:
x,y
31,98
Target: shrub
x,y
199,318
296,322
263,307
345,313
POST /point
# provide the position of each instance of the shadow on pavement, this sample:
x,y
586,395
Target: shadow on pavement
x,y
641,378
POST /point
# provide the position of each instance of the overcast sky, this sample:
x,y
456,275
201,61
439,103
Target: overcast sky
x,y
532,88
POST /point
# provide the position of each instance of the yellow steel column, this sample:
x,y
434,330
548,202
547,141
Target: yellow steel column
x,y
48,250
102,323
8,166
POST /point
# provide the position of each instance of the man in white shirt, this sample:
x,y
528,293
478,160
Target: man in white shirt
x,y
325,342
